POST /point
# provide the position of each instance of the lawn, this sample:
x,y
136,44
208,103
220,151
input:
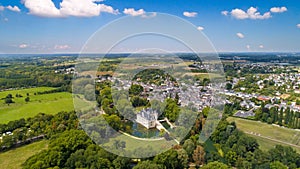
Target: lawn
x,y
14,158
46,103
133,144
259,130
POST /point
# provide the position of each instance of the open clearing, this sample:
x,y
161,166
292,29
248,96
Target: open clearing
x,y
14,158
268,135
138,144
46,103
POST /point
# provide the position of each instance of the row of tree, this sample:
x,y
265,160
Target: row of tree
x,y
283,117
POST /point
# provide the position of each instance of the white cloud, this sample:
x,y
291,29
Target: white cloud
x,y
23,46
14,9
278,9
108,9
133,12
44,8
62,47
190,14
224,13
261,46
298,25
240,35
78,8
251,13
84,8
200,28
248,47
239,14
11,8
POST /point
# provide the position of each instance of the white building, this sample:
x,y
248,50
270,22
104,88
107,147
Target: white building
x,y
147,117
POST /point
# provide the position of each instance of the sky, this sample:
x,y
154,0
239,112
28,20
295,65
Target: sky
x,y
64,26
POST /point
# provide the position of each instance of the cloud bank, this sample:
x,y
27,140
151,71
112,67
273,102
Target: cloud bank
x,y
253,13
77,8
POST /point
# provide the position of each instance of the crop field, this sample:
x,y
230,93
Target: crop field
x,y
268,135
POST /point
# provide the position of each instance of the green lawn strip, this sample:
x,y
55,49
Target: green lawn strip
x,y
140,144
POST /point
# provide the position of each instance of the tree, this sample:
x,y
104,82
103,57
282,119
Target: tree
x,y
228,86
138,101
114,121
9,96
280,118
172,110
27,99
8,100
231,157
216,164
183,157
189,147
136,89
148,165
277,165
199,155
169,159
249,142
285,155
205,111
122,163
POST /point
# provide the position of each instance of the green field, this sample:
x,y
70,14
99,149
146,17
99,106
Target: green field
x,y
46,103
14,158
133,144
268,135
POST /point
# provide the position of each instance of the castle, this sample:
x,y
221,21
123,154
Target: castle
x,y
147,118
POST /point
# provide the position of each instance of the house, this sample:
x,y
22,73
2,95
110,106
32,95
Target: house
x,y
147,118
263,98
244,114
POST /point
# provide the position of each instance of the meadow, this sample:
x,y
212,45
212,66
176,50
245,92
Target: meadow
x,y
137,144
45,103
14,158
268,135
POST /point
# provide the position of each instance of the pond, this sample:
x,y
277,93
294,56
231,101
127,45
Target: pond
x,y
142,132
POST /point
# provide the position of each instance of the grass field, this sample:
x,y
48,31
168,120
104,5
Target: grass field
x,y
268,135
14,158
133,144
46,103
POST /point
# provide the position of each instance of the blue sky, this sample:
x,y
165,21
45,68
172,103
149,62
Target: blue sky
x,y
63,26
